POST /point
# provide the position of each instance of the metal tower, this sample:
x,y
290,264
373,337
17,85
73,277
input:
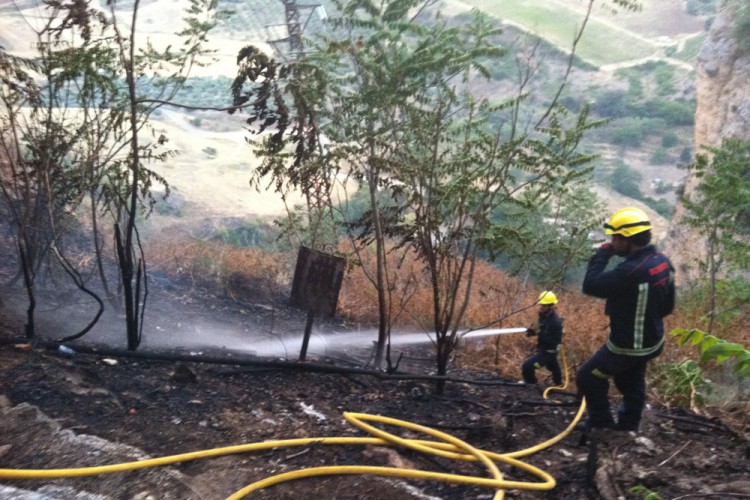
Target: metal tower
x,y
316,192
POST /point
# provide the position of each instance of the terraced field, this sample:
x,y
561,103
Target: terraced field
x,y
215,161
610,38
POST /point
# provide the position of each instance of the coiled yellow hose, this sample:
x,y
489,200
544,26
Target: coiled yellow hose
x,y
450,447
565,371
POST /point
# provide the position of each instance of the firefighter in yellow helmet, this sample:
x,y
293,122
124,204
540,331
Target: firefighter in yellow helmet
x,y
549,332
639,292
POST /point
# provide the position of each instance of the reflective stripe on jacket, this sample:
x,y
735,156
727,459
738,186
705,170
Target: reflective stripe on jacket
x,y
639,292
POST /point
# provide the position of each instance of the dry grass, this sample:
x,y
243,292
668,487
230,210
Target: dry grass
x,y
494,295
247,274
497,300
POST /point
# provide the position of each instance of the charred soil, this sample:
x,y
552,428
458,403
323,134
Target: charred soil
x,y
93,409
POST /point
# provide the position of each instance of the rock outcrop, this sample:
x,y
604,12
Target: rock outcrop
x,y
723,110
723,93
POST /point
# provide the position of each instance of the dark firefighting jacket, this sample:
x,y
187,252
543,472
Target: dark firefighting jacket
x,y
550,331
639,292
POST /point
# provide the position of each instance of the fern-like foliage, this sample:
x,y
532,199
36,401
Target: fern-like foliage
x,y
645,493
714,348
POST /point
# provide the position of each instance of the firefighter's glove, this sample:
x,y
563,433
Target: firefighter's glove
x,y
530,332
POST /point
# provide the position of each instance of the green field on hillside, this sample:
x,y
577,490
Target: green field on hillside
x,y
602,43
691,48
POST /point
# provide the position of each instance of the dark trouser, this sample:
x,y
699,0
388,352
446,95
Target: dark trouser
x,y
541,359
629,375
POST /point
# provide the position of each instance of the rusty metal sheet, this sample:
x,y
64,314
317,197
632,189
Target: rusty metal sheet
x,y
317,281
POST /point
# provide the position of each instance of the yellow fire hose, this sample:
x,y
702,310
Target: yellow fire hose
x,y
565,371
450,447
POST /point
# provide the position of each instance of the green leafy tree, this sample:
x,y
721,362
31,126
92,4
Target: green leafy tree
x,y
49,138
625,179
713,348
719,208
82,136
427,142
137,65
389,88
24,207
557,233
686,155
393,103
627,132
660,156
669,139
458,173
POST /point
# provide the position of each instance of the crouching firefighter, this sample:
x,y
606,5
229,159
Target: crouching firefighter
x,y
549,332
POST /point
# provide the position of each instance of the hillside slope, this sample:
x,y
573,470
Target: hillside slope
x,y
211,173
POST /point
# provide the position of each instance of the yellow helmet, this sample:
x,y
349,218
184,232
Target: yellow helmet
x,y
547,297
628,222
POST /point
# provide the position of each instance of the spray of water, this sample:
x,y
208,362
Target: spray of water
x,y
327,343
170,326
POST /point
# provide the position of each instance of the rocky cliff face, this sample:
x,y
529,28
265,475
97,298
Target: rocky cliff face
x,y
723,110
723,86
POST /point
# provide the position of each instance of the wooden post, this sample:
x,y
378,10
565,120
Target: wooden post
x,y
306,338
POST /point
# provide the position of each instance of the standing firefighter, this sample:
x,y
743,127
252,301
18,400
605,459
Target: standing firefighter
x,y
639,292
550,332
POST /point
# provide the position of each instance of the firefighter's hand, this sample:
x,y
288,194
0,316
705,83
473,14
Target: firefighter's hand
x,y
530,332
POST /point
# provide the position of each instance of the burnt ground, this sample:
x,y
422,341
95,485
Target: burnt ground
x,y
98,408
